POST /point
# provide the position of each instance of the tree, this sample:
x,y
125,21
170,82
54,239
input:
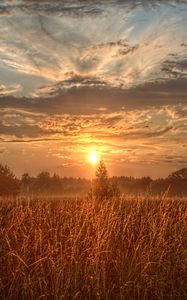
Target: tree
x,y
101,182
26,183
43,182
9,184
180,174
177,181
103,188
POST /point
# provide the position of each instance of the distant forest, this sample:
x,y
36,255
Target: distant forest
x,y
45,184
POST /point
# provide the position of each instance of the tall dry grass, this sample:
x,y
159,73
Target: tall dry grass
x,y
127,249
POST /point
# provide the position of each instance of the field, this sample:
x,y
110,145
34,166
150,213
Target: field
x,y
133,248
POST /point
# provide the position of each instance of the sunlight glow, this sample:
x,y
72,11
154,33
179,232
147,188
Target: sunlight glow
x,y
93,157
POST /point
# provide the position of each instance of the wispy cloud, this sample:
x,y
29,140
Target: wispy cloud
x,y
117,131
8,90
131,47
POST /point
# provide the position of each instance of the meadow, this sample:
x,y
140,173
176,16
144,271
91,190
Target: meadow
x,y
130,248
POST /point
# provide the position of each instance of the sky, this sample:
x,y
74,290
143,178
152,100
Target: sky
x,y
83,76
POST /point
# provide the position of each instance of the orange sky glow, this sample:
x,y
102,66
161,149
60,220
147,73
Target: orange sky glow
x,y
84,81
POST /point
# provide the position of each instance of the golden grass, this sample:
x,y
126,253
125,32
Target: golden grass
x,y
126,249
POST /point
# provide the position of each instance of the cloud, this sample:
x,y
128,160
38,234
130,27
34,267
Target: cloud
x,y
8,90
88,100
125,138
131,47
129,124
175,69
21,131
72,81
20,124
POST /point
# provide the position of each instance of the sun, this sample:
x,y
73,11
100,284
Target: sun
x,y
93,157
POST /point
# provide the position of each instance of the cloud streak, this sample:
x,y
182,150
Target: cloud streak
x,y
8,90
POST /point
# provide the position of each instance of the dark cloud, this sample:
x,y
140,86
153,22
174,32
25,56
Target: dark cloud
x,y
21,131
52,8
76,7
123,47
76,80
175,69
87,100
35,140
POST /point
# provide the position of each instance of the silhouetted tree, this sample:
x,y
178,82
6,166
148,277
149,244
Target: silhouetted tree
x,y
177,182
9,184
43,182
180,174
101,182
103,188
27,183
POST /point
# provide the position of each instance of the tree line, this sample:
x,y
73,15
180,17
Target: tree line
x,y
102,186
